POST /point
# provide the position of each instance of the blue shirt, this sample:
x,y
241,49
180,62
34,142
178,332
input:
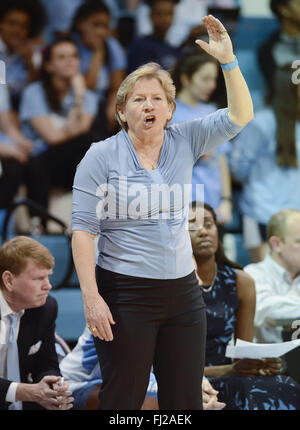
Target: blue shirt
x,y
267,187
116,61
206,171
143,233
34,104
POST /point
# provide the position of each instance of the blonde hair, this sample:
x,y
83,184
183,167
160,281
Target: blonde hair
x,y
17,252
147,71
278,223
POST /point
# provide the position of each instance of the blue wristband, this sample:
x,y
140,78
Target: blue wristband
x,y
230,66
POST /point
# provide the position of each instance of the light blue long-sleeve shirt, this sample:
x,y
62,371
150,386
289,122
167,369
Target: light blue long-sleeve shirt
x,y
267,187
141,234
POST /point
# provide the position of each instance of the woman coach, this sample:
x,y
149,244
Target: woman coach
x,y
142,306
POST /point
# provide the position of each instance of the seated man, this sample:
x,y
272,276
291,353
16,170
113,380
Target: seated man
x,y
277,277
82,371
29,372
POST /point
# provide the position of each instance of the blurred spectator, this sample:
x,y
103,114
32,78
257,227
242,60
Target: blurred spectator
x,y
21,23
56,114
283,46
195,77
14,151
277,278
188,15
266,159
103,61
229,295
154,47
62,12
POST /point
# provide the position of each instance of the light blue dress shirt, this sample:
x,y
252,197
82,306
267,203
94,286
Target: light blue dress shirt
x,y
267,187
34,104
142,235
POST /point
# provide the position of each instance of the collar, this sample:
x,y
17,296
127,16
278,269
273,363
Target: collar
x,y
282,272
5,309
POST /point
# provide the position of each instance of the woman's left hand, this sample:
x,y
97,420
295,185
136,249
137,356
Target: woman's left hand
x,y
220,45
271,366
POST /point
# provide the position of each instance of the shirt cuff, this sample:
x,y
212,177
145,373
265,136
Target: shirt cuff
x,y
11,392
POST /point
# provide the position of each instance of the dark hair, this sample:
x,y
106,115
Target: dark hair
x,y
220,256
285,106
46,77
274,4
188,65
33,8
88,8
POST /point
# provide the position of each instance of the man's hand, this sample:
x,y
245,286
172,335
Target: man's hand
x,y
45,394
209,397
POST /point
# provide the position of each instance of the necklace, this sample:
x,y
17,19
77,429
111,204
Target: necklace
x,y
208,288
153,163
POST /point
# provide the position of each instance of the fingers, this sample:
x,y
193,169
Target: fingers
x,y
214,25
99,320
60,403
207,388
213,404
203,45
51,379
102,330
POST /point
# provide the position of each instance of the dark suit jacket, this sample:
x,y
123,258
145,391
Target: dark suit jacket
x,y
37,329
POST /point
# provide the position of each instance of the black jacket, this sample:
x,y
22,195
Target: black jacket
x,y
36,344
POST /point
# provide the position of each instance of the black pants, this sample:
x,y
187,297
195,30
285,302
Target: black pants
x,y
10,180
160,323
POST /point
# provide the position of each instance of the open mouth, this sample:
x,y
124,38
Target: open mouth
x,y
149,120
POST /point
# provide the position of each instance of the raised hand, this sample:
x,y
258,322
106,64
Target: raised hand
x,y
220,45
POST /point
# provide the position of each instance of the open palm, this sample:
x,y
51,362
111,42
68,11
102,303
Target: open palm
x,y
220,45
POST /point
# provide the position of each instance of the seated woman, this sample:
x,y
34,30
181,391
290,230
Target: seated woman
x,y
56,114
103,61
82,371
21,24
229,295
